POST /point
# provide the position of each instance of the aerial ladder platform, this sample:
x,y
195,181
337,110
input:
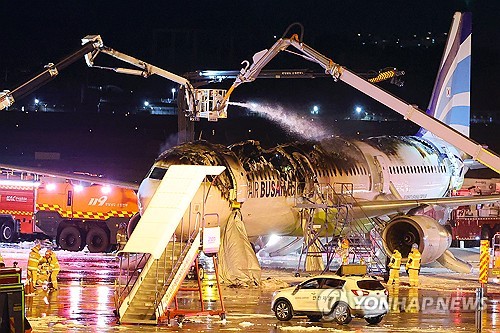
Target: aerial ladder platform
x,y
163,246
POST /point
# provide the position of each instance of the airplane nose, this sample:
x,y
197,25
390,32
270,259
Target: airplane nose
x,y
146,191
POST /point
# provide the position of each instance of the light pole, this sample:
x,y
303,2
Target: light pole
x,y
173,94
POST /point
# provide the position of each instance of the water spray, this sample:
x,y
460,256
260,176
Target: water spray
x,y
303,126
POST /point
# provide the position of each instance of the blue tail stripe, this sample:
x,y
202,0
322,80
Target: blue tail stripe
x,y
460,78
450,100
459,115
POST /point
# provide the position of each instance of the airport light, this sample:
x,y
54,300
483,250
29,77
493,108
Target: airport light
x,y
146,103
358,109
37,101
315,110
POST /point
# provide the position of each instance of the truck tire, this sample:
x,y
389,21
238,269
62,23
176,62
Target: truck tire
x,y
70,239
97,240
486,232
7,232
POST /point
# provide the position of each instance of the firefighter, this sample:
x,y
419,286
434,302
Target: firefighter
x,y
33,261
51,261
121,236
344,250
394,266
413,265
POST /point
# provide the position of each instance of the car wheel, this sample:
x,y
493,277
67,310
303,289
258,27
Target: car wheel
x,y
70,239
374,320
314,318
342,314
283,310
97,240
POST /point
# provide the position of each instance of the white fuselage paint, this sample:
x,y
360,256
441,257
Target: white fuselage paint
x,y
416,167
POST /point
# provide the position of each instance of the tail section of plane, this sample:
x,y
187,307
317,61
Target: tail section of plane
x,y
450,100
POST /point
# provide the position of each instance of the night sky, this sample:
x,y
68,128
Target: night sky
x,y
227,32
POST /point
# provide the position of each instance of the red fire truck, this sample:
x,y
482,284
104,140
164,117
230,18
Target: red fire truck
x,y
475,222
480,221
71,212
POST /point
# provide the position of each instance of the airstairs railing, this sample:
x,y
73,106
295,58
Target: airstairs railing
x,y
134,267
336,200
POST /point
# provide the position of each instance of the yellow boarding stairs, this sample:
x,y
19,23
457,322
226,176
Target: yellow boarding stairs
x,y
158,255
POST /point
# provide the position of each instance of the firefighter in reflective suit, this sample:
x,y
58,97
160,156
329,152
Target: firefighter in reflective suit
x,y
50,260
33,261
394,266
121,237
413,265
344,250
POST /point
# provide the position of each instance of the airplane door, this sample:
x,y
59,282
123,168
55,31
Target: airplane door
x,y
381,181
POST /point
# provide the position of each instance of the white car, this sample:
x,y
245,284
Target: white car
x,y
333,297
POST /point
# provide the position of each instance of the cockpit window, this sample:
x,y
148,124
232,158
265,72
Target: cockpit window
x,y
157,173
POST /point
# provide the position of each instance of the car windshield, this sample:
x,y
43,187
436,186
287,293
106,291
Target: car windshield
x,y
370,285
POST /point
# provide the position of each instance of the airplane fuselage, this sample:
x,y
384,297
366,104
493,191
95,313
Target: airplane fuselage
x,y
267,183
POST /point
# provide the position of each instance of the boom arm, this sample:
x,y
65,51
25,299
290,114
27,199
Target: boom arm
x,y
199,102
469,146
7,98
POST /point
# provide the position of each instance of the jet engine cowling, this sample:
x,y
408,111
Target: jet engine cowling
x,y
403,231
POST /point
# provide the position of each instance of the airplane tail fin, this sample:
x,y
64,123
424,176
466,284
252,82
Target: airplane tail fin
x,y
450,100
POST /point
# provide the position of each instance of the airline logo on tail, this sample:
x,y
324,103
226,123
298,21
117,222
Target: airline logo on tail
x,y
450,101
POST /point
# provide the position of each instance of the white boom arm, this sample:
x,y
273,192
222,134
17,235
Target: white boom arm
x,y
201,103
469,146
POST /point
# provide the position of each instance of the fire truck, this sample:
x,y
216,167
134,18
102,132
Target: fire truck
x,y
475,222
74,213
479,221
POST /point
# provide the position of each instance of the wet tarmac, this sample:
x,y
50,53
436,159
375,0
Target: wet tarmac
x,y
85,303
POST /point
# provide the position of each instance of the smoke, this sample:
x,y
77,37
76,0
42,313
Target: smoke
x,y
169,142
306,127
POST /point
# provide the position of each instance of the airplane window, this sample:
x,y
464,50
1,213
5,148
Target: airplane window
x,y
157,173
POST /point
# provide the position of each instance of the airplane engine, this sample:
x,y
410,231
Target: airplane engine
x,y
403,231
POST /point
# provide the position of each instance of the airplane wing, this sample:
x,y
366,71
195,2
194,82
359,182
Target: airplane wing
x,y
376,208
84,177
